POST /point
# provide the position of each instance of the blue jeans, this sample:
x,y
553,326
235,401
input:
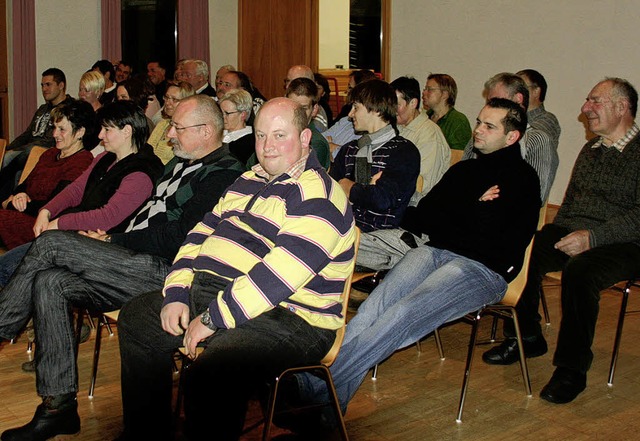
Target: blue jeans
x,y
61,270
217,386
10,260
427,288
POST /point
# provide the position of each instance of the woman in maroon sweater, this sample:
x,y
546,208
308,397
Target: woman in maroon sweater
x,y
57,167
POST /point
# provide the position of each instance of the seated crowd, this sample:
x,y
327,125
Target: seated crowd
x,y
214,217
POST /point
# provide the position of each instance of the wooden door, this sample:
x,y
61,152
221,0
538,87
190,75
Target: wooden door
x,y
273,35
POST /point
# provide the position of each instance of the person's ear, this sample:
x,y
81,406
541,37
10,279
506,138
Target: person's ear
x,y
512,137
80,133
305,138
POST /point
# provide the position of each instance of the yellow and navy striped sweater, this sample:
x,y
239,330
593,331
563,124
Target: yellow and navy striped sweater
x,y
288,243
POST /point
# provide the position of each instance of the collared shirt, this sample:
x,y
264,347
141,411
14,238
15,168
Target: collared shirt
x,y
294,171
236,134
622,142
539,118
202,88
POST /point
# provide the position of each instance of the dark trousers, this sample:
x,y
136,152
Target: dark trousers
x,y
61,270
218,384
583,277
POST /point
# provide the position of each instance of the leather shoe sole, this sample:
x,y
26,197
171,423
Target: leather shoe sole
x,y
507,352
564,386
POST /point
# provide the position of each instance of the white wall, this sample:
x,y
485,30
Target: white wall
x,y
223,34
67,37
572,43
333,34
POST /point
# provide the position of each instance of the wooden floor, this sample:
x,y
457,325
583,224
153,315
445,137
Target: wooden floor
x,y
416,394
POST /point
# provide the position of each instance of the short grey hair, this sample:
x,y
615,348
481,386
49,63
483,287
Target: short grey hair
x,y
240,98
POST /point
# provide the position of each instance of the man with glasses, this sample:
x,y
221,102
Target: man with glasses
x,y
196,73
101,272
439,98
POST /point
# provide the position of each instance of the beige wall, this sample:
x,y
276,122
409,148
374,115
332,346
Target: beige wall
x,y
67,37
572,43
333,34
223,34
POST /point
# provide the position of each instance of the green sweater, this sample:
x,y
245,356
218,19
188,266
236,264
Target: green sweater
x,y
603,195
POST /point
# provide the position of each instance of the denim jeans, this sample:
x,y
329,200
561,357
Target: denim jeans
x,y
583,277
234,365
427,288
63,270
10,260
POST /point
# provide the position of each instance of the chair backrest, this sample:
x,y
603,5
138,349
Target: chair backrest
x,y
516,286
456,156
333,352
3,148
419,184
32,160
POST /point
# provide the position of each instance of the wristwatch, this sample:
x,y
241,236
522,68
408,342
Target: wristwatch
x,y
205,319
107,238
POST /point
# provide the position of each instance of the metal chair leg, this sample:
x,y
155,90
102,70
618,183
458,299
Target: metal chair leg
x,y
616,343
374,374
436,335
96,355
545,308
523,359
494,329
467,369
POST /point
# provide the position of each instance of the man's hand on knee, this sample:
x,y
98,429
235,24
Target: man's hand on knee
x,y
196,332
574,243
175,318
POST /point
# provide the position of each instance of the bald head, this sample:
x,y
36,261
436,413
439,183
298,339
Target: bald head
x,y
196,127
298,71
282,138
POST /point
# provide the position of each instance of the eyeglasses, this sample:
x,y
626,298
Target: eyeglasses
x,y
182,129
431,89
172,99
229,113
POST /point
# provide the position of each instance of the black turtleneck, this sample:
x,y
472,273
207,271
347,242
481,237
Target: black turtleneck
x,y
494,233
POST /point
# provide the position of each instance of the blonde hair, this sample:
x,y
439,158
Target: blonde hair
x,y
93,81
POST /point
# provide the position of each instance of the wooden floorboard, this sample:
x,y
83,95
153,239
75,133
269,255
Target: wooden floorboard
x,y
416,394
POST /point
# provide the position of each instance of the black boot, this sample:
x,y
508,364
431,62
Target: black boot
x,y
55,416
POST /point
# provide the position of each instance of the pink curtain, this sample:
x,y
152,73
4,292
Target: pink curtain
x,y
111,30
25,77
193,29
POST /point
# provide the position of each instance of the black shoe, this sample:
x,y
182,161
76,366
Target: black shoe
x,y
55,416
29,366
565,385
507,351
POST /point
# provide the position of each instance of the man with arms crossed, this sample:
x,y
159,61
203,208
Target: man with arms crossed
x,y
477,244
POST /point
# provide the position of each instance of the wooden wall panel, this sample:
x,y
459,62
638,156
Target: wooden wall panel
x,y
273,35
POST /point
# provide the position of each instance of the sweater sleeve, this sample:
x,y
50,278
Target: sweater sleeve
x,y
164,239
134,189
398,179
72,194
178,282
